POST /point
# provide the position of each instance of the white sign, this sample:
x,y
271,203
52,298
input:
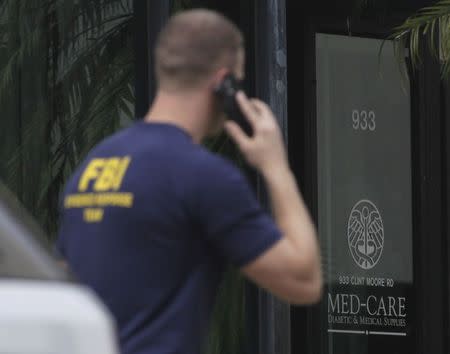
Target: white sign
x,y
365,234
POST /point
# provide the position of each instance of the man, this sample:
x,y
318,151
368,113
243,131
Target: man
x,y
150,218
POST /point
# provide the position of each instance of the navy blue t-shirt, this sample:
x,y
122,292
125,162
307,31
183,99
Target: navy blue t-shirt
x,y
149,220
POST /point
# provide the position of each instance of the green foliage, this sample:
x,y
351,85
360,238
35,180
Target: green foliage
x,y
66,82
429,25
371,8
228,326
179,5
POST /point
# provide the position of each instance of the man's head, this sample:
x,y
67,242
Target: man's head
x,y
193,46
194,51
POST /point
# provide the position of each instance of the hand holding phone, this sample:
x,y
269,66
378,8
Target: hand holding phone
x,y
226,92
265,149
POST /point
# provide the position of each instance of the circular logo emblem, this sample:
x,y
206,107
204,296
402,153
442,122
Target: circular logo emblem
x,y
365,234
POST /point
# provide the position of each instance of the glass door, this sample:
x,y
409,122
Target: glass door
x,y
364,196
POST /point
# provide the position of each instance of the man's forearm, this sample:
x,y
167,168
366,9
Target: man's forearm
x,y
292,215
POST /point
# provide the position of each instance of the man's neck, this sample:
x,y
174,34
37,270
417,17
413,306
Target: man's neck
x,y
188,111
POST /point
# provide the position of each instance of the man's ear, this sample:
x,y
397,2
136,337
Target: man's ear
x,y
218,77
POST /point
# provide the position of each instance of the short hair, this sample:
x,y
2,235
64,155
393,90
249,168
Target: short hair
x,y
192,45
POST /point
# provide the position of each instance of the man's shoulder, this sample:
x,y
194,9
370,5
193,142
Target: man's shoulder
x,y
211,164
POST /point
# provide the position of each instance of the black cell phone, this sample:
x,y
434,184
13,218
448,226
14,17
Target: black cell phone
x,y
226,92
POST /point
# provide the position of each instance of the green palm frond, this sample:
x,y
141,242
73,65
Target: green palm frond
x,y
228,327
81,91
429,25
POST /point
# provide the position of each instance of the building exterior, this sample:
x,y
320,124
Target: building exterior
x,y
367,135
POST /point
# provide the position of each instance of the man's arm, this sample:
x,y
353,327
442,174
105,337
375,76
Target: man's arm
x,y
290,269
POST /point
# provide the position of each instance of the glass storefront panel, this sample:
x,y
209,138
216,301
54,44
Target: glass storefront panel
x,y
364,196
